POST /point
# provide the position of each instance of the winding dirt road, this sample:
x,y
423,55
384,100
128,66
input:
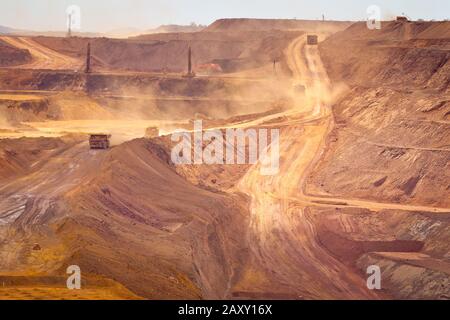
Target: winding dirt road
x,y
283,240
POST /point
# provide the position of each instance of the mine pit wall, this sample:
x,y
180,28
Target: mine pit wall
x,y
12,56
396,113
391,132
145,96
21,79
363,57
168,51
69,80
14,112
13,79
410,248
145,84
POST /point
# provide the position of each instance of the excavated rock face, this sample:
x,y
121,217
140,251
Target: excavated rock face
x,y
129,214
123,213
398,125
168,52
12,56
390,143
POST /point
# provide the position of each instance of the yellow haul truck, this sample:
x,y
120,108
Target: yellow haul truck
x,y
99,141
312,39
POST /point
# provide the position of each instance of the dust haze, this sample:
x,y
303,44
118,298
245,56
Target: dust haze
x,y
87,177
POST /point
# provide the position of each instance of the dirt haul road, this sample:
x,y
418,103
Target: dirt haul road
x,y
43,57
283,241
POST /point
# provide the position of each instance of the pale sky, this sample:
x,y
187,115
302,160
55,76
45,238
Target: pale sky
x,y
106,15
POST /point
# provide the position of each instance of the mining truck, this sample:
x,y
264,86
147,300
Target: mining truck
x,y
312,39
99,141
299,88
152,132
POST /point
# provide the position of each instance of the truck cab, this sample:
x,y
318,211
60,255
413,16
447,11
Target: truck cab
x,y
99,141
312,39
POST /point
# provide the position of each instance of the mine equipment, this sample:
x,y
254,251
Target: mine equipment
x,y
312,39
299,88
152,132
190,73
88,59
99,141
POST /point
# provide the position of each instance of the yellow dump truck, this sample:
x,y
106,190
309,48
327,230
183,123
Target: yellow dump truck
x,y
402,19
312,39
152,132
99,141
299,88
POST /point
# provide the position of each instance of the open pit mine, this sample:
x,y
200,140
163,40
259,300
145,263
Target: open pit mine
x,y
88,180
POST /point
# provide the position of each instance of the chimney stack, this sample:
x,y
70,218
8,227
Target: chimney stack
x,y
189,61
190,73
88,58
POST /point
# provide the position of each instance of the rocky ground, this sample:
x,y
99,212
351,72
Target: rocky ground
x,y
363,180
